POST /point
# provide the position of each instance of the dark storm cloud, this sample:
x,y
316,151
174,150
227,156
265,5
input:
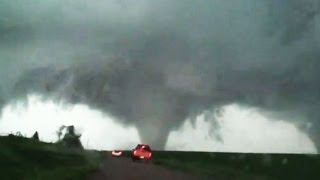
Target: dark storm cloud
x,y
154,64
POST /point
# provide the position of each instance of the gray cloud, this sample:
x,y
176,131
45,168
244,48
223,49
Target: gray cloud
x,y
153,64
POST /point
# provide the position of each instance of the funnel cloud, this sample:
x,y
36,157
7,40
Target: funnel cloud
x,y
154,64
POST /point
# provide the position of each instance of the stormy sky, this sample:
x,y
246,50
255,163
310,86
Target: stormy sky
x,y
153,64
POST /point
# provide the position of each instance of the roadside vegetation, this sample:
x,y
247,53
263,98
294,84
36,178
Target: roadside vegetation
x,y
30,159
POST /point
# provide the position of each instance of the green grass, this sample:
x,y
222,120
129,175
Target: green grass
x,y
23,158
241,165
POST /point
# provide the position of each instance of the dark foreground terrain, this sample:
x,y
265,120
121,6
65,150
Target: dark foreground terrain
x,y
205,165
26,159
242,165
23,158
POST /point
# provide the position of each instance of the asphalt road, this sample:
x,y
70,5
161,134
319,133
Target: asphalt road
x,y
118,168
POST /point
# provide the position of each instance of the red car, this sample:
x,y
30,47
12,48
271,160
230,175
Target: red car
x,y
141,152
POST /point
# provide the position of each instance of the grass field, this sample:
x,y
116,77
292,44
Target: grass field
x,y
241,165
23,158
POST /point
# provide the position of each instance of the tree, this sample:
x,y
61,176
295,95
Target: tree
x,y
59,132
71,139
35,136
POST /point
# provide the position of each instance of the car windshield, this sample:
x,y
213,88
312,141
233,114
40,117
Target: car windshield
x,y
147,148
143,147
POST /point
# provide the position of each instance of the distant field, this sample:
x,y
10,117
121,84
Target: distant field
x,y
240,165
22,158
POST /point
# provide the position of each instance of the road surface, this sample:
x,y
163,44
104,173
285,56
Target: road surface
x,y
118,168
